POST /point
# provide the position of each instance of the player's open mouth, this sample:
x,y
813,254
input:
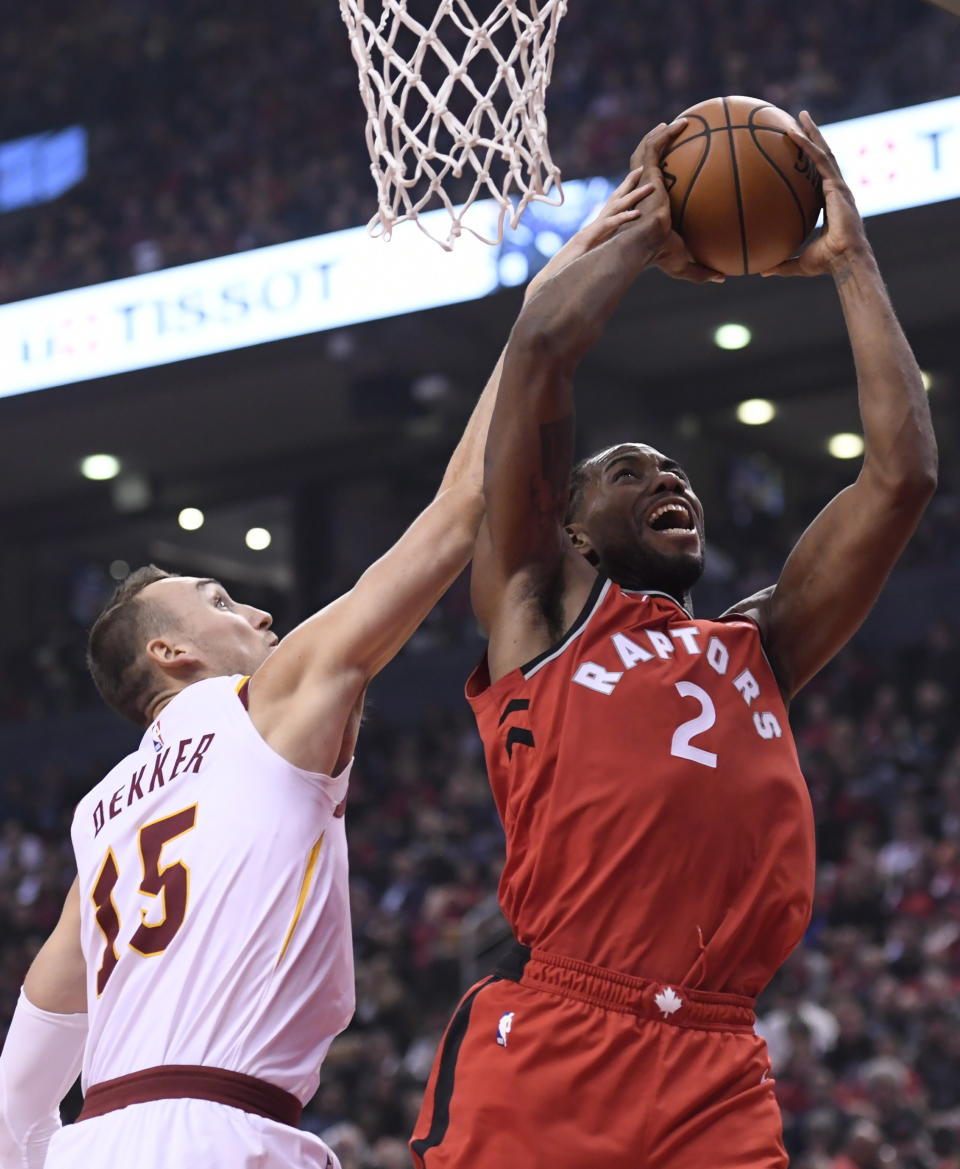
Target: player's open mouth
x,y
673,519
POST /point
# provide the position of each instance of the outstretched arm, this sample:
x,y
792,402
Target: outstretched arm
x,y
44,1046
834,574
524,560
302,697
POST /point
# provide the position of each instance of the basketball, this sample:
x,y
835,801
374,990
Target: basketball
x,y
744,195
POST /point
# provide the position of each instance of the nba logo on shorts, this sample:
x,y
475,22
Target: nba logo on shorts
x,y
503,1028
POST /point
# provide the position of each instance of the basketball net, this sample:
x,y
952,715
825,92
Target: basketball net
x,y
455,107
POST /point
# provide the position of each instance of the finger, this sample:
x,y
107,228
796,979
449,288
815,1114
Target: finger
x,y
787,268
796,134
823,160
675,129
612,222
637,195
659,138
813,139
682,266
701,275
629,184
693,272
814,132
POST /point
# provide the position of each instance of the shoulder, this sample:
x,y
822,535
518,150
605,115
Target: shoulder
x,y
756,607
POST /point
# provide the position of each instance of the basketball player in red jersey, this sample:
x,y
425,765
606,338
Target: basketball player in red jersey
x,y
660,843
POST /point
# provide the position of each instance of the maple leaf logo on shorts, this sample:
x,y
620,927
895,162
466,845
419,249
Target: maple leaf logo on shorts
x,y
668,1001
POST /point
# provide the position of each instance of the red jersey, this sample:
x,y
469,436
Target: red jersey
x,y
657,821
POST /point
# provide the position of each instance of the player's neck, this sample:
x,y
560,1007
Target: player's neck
x,y
159,702
165,696
644,584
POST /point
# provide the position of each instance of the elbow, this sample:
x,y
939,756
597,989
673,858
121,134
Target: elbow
x,y
467,505
912,488
551,342
927,482
919,483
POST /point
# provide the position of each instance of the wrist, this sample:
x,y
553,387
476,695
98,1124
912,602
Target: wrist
x,y
855,260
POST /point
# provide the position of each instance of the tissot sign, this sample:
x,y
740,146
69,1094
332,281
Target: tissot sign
x,y
262,295
894,160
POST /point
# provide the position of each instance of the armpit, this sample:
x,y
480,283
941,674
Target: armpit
x,y
755,607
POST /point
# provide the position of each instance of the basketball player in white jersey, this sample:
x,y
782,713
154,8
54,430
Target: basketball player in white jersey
x,y
203,961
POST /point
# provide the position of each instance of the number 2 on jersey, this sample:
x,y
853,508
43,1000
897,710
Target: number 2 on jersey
x,y
171,884
685,732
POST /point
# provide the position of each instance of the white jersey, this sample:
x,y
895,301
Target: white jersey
x,y
215,919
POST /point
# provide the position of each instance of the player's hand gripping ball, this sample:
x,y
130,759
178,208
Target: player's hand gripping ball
x,y
743,194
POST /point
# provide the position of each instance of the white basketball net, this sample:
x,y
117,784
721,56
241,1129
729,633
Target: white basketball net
x,y
455,107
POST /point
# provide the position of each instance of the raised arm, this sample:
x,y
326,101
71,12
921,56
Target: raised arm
x,y
301,699
526,578
833,576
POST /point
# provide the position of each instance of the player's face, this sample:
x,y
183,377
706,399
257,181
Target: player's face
x,y
641,521
227,637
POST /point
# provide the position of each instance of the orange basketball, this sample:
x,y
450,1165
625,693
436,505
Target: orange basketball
x,y
744,195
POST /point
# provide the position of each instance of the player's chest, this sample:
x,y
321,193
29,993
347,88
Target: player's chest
x,y
687,698
698,672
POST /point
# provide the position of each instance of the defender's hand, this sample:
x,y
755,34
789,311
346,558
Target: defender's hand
x,y
620,208
843,238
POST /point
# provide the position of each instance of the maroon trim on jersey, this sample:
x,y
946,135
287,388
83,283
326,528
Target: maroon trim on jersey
x,y
186,1082
243,692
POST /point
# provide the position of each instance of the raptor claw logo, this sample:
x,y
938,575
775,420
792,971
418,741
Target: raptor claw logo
x,y
668,1001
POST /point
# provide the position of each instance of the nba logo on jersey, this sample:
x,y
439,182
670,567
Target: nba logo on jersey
x,y
157,737
503,1028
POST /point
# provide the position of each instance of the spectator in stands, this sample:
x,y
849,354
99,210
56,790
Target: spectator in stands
x,y
248,130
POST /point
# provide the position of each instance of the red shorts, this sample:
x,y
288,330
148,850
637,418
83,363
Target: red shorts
x,y
569,1066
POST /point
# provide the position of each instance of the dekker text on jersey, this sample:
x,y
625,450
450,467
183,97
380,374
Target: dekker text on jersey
x,y
139,786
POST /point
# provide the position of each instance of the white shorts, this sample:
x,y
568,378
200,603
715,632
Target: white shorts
x,y
185,1134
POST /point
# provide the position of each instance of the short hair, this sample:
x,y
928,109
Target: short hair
x,y
579,478
121,673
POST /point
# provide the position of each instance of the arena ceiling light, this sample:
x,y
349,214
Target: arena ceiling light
x,y
190,519
257,539
100,467
845,446
732,336
756,412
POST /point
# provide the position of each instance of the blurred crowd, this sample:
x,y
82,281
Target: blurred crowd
x,y
213,130
863,1022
